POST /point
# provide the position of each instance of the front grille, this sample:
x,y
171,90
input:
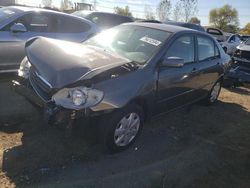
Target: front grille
x,y
41,88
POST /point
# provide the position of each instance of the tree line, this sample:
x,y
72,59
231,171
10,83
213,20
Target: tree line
x,y
224,18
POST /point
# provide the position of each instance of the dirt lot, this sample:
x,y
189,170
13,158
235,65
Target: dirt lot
x,y
195,147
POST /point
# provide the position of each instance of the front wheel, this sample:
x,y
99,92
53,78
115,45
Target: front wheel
x,y
214,93
120,129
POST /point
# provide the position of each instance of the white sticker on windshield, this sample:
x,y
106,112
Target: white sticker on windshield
x,y
150,41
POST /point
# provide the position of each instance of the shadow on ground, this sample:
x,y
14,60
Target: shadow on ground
x,y
199,147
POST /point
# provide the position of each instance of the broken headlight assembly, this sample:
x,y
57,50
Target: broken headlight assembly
x,y
78,98
24,68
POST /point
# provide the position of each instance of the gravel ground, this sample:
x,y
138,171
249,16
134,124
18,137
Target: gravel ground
x,y
195,147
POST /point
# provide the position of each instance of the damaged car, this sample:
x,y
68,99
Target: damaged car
x,y
239,74
231,44
123,76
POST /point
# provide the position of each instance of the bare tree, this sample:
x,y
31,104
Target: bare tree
x,y
65,4
47,3
148,12
177,12
123,11
164,10
189,8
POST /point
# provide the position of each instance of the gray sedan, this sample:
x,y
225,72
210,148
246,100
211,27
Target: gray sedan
x,y
122,77
18,24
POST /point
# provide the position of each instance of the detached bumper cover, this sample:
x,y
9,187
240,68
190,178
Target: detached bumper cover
x,y
24,88
240,72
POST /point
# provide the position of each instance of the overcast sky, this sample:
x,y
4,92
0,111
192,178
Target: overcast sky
x,y
137,7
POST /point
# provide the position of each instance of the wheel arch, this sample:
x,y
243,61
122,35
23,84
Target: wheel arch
x,y
144,104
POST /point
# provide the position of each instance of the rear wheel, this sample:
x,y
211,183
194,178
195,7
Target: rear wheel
x,y
121,129
214,93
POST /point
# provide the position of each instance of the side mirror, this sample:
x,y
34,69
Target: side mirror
x,y
18,28
173,62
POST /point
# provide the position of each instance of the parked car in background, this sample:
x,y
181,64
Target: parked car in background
x,y
187,25
150,21
216,33
103,19
18,24
240,71
167,67
231,43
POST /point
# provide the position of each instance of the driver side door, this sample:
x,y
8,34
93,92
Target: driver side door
x,y
177,85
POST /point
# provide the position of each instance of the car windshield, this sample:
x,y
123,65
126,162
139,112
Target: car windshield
x,y
135,43
6,13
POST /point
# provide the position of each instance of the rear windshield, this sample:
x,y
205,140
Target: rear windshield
x,y
6,13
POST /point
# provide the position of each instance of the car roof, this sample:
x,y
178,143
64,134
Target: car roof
x,y
100,12
186,24
34,9
164,27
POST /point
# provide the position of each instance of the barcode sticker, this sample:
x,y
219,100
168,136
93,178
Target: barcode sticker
x,y
150,41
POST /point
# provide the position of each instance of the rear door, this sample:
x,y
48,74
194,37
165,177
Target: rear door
x,y
208,63
177,86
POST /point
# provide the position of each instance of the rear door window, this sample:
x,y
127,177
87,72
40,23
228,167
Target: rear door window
x,y
68,24
207,49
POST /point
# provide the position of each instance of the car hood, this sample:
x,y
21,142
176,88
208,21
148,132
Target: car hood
x,y
244,47
61,63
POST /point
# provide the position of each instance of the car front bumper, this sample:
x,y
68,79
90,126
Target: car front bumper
x,y
53,114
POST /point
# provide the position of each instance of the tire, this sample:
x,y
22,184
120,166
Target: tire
x,y
214,93
115,136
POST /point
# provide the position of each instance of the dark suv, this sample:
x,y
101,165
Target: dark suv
x,y
187,25
122,77
103,19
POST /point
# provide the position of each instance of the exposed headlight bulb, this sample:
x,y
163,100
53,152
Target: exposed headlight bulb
x,y
78,97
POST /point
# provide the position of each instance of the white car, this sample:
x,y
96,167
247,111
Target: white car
x,y
231,43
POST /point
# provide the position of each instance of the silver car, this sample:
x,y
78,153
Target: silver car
x,y
18,24
230,45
